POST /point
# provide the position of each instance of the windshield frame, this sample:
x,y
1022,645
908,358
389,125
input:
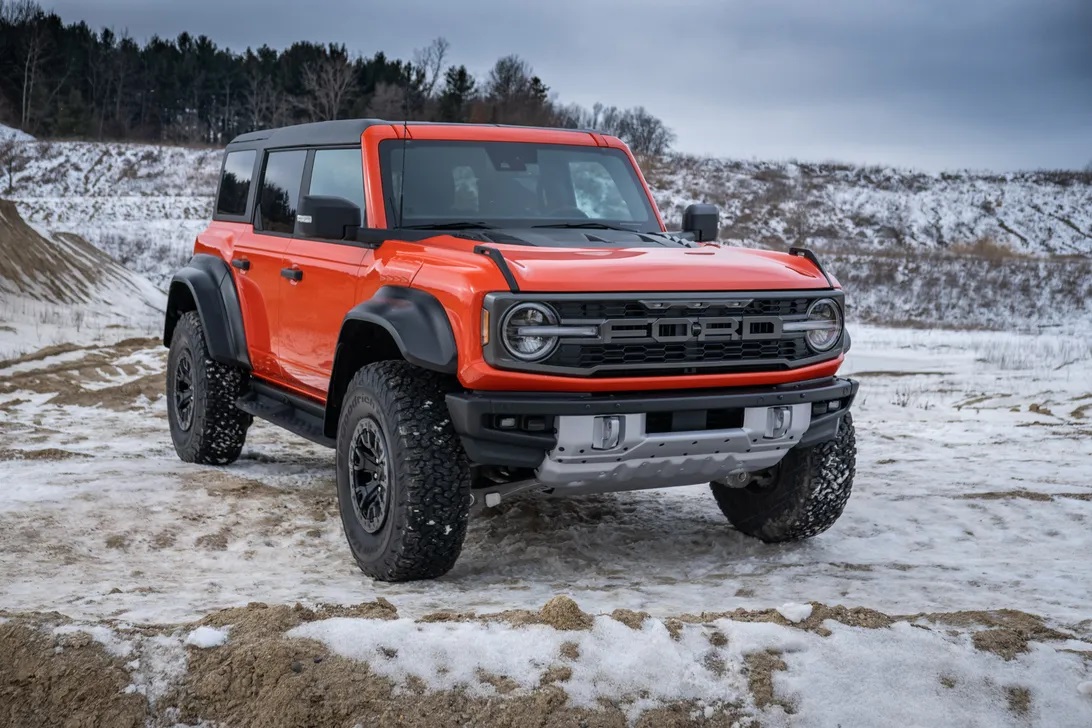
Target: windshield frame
x,y
387,149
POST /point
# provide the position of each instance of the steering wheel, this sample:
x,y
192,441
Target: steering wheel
x,y
566,212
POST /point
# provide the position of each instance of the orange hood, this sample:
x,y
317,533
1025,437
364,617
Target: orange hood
x,y
706,268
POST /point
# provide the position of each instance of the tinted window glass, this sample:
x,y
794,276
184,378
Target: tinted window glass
x,y
338,173
235,183
281,190
512,184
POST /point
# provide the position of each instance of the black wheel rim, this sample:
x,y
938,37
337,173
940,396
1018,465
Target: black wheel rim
x,y
183,390
369,475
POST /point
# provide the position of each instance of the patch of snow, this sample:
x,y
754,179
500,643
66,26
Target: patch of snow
x,y
108,638
795,612
206,637
8,133
856,675
160,667
1085,688
653,667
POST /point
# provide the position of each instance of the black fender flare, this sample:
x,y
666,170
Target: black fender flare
x,y
417,324
205,283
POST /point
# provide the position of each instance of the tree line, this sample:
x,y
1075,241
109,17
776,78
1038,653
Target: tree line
x,y
68,80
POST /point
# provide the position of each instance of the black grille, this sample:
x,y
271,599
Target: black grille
x,y
698,352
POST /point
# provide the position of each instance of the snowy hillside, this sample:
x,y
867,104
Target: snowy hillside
x,y
878,208
141,204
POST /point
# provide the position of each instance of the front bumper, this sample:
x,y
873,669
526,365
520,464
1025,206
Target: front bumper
x,y
667,438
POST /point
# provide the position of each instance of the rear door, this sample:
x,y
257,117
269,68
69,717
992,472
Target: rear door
x,y
259,257
327,272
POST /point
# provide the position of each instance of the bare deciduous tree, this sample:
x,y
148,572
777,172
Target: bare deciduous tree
x,y
328,84
430,60
388,102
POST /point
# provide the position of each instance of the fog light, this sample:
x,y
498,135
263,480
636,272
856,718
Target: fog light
x,y
534,424
778,421
606,432
507,423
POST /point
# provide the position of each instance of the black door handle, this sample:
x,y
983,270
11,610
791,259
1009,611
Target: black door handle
x,y
292,274
240,263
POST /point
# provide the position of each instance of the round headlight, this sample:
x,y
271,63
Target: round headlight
x,y
518,331
825,319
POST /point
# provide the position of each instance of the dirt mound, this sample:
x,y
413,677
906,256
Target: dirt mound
x,y
261,678
63,680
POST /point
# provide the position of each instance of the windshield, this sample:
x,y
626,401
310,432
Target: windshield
x,y
476,184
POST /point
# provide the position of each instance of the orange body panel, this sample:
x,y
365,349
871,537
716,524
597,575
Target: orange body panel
x,y
292,327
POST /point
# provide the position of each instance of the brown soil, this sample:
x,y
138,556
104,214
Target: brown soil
x,y
46,453
851,616
68,380
1019,700
79,685
1007,632
1006,494
630,618
760,667
561,612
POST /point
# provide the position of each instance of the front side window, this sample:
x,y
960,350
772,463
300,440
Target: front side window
x,y
235,183
280,191
511,185
338,173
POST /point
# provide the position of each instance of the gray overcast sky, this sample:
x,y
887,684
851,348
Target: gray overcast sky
x,y
932,84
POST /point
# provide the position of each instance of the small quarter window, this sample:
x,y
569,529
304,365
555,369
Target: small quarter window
x,y
235,183
280,191
338,173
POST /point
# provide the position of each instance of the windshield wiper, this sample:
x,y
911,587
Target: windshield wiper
x,y
586,226
453,225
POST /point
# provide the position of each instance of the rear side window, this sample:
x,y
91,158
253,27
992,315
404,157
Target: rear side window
x,y
280,191
338,173
235,183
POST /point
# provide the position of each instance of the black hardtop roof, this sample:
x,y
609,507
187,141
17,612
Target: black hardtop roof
x,y
345,131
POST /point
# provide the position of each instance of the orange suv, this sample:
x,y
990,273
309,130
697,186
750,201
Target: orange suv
x,y
469,311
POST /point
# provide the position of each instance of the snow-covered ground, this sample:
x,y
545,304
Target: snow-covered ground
x,y
973,494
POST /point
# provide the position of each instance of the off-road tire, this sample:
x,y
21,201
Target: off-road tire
x,y
216,429
428,473
806,494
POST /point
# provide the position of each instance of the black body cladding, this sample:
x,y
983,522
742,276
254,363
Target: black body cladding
x,y
206,284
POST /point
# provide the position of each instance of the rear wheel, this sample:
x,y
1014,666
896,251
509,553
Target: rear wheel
x,y
206,426
403,479
801,496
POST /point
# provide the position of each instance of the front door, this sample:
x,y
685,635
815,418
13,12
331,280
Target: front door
x,y
326,279
259,258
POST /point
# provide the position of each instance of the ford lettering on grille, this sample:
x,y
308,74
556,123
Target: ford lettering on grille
x,y
689,328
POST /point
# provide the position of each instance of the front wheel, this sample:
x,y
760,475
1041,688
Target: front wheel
x,y
801,496
206,426
403,479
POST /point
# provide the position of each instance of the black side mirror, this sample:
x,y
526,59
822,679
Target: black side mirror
x,y
327,218
703,221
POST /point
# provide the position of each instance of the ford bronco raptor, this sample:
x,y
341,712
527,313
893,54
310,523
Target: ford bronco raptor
x,y
468,311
